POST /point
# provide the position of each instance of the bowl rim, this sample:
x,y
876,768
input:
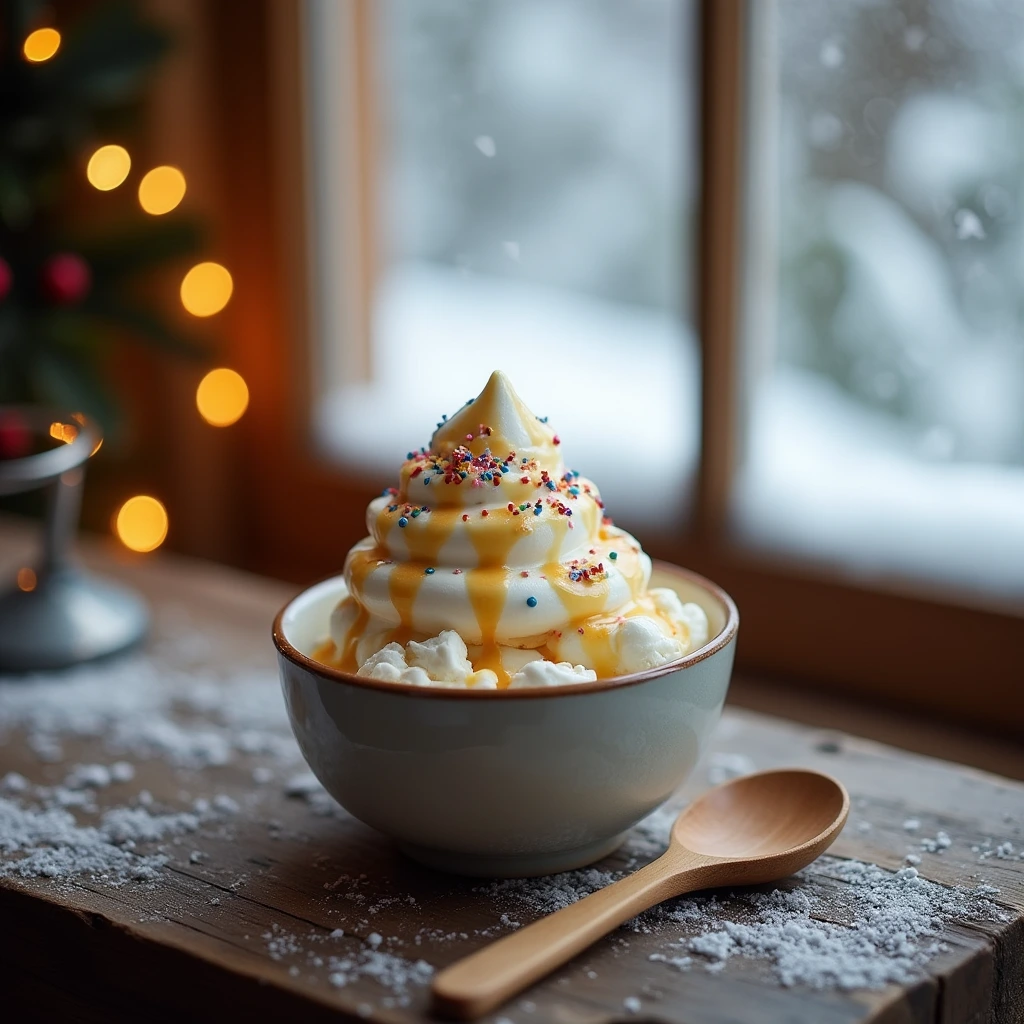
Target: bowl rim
x,y
713,646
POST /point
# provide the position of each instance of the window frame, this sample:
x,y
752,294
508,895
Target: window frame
x,y
294,516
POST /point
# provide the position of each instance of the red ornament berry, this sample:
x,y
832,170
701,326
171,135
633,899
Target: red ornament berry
x,y
6,279
66,278
15,436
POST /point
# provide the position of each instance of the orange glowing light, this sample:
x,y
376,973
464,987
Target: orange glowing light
x,y
65,432
41,45
79,417
222,397
161,189
26,579
206,288
108,167
141,523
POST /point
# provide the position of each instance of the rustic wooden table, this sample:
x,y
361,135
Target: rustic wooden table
x,y
267,900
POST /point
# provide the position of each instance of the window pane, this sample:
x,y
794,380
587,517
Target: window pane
x,y
534,177
886,416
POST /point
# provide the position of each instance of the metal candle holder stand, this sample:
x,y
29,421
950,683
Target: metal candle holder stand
x,y
66,615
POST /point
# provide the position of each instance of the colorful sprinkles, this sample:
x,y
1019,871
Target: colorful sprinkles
x,y
532,601
580,571
487,469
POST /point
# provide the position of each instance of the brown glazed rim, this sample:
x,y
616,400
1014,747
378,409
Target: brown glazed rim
x,y
732,623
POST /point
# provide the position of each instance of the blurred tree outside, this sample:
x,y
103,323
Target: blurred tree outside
x,y
902,180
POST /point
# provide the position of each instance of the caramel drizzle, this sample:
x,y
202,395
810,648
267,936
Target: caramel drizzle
x,y
348,661
327,654
487,585
424,537
584,601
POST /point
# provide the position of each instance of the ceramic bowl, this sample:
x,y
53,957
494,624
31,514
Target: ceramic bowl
x,y
504,783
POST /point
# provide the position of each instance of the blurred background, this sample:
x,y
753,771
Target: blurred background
x,y
764,259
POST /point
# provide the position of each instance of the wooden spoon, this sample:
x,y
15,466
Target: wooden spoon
x,y
751,830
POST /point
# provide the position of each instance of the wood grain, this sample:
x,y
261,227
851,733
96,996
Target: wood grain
x,y
194,947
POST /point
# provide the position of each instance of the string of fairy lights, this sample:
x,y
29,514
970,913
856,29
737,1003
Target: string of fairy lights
x,y
222,396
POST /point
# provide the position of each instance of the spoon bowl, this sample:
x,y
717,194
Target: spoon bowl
x,y
775,822
747,831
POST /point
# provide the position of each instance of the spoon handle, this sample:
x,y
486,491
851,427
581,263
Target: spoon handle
x,y
483,980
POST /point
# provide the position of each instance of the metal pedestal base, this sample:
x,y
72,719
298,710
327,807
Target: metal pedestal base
x,y
69,617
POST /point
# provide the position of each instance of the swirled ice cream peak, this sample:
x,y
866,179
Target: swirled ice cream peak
x,y
490,540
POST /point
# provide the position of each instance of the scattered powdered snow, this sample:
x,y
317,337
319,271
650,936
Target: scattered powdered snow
x,y
226,804
45,840
306,786
649,837
723,766
551,892
302,784
390,971
894,923
13,782
161,702
150,704
938,844
394,973
281,943
1001,851
49,843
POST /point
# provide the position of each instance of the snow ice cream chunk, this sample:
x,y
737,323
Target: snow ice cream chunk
x,y
440,661
551,673
691,615
442,657
641,644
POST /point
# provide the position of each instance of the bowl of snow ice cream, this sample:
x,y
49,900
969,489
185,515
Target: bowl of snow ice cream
x,y
501,679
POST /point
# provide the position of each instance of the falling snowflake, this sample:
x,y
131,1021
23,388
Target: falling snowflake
x,y
968,225
486,145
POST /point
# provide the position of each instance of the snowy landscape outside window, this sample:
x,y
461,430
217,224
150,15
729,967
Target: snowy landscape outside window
x,y
885,351
533,204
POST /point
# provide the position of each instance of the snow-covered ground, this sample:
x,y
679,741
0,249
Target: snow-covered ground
x,y
828,479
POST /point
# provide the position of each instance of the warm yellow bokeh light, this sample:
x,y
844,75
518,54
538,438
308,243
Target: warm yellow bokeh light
x,y
26,579
161,189
65,432
41,45
206,289
108,167
222,397
141,523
